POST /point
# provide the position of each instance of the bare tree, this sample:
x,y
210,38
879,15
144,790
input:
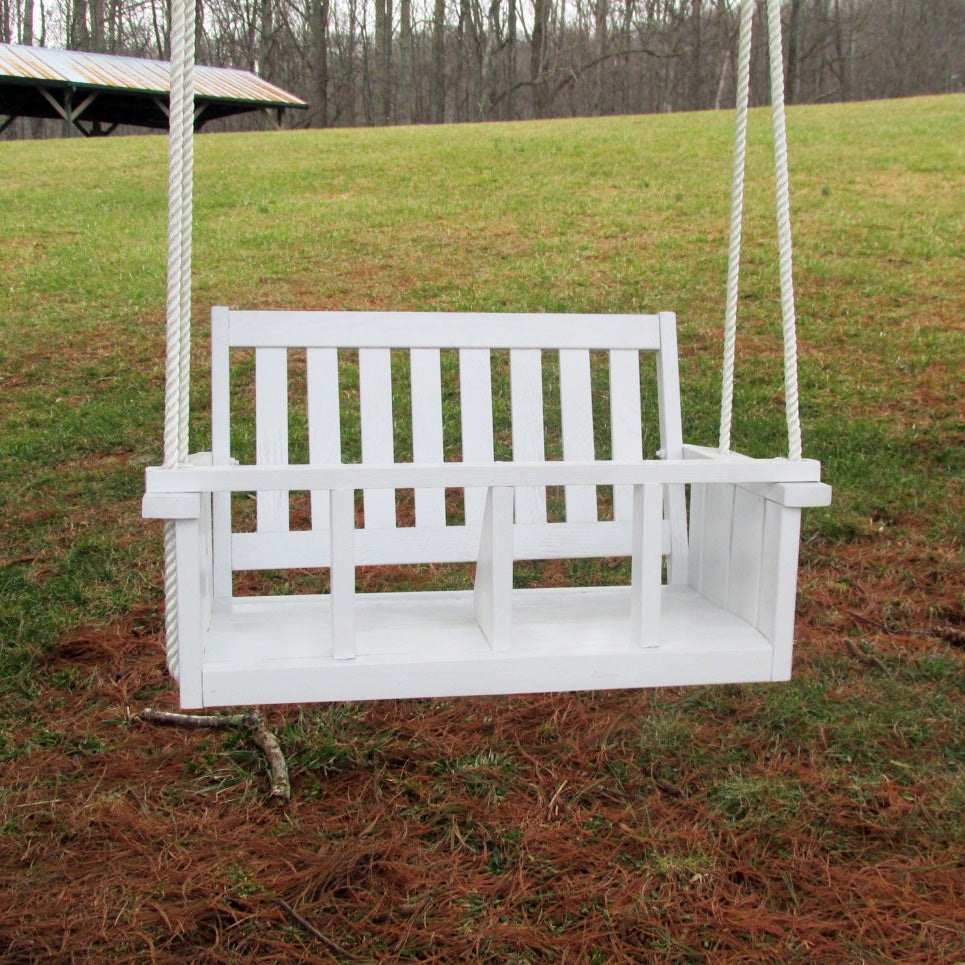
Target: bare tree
x,y
509,78
27,24
439,61
494,43
383,54
433,60
350,60
538,56
320,47
78,36
406,109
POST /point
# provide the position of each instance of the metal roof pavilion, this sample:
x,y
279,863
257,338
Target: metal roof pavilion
x,y
97,92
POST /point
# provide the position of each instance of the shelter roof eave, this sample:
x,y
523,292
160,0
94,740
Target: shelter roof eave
x,y
35,82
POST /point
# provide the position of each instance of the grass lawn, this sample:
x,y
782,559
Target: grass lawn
x,y
813,821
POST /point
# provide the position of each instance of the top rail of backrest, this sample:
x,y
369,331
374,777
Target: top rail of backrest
x,y
450,330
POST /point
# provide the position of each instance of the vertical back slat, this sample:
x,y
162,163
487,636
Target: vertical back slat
x,y
526,390
221,448
576,402
625,421
430,504
271,431
324,430
375,408
220,386
671,442
476,408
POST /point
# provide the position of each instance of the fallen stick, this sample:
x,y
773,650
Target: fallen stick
x,y
953,635
313,931
263,738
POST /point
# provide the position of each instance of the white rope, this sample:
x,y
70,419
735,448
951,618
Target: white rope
x,y
170,599
172,388
736,219
178,332
186,141
789,325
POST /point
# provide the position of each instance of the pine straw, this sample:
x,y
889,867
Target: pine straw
x,y
537,828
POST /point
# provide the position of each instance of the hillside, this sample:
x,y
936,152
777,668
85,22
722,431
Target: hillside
x,y
818,820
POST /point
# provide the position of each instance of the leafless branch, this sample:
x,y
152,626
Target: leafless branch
x,y
260,736
315,933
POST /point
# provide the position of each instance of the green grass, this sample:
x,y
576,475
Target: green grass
x,y
600,215
616,214
584,215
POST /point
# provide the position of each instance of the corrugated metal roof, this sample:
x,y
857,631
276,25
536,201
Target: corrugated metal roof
x,y
112,72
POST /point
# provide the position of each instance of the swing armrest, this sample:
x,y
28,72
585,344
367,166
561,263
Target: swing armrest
x,y
791,494
171,505
264,478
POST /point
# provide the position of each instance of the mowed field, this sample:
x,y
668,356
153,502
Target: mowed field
x,y
819,820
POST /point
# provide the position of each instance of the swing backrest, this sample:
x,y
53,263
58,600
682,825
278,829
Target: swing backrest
x,y
379,388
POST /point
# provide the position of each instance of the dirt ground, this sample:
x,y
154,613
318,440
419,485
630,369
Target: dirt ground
x,y
563,827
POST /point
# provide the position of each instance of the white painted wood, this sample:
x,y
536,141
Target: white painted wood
x,y
782,536
221,447
426,378
387,476
194,595
188,658
668,388
443,330
715,540
271,432
799,493
221,541
626,422
450,544
492,602
794,495
675,506
429,645
342,574
695,558
375,406
576,405
733,623
476,420
324,423
171,505
220,387
526,398
746,548
646,566
671,444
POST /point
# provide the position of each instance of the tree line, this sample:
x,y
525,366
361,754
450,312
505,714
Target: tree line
x,y
371,62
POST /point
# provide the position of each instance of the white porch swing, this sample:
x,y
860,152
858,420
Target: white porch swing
x,y
712,590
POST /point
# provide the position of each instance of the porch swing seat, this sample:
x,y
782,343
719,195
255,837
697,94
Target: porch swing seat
x,y
712,537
